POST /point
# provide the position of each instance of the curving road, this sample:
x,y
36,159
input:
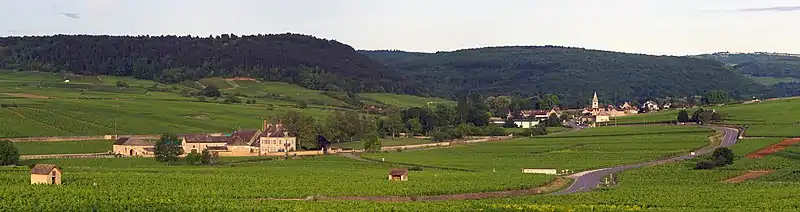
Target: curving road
x,y
588,180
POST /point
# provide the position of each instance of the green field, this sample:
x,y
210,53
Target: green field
x,y
42,104
772,80
647,118
580,150
384,142
63,147
403,100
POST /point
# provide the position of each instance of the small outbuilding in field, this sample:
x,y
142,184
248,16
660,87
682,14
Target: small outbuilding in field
x,y
46,174
398,175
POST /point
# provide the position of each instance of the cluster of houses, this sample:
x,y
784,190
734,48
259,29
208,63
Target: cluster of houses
x,y
271,138
528,118
591,115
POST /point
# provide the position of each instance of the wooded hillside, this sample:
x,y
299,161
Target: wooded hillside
x,y
304,60
571,73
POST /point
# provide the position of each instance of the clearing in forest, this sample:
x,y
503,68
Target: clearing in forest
x,y
773,148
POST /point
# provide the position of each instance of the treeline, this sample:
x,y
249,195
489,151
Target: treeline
x,y
303,60
572,74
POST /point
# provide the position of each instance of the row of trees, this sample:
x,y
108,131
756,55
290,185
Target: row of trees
x,y
701,116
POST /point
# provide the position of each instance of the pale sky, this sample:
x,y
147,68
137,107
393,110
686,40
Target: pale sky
x,y
673,27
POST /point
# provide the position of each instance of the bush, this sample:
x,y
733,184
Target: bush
x,y
704,165
415,168
208,158
441,136
9,155
723,156
302,105
193,158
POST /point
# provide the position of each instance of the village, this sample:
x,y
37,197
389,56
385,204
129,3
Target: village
x,y
273,139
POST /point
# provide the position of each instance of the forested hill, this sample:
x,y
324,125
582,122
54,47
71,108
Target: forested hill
x,y
304,60
571,73
760,64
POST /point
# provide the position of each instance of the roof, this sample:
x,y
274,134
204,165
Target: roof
x,y
217,148
246,135
203,138
131,142
398,172
150,149
603,113
43,168
274,130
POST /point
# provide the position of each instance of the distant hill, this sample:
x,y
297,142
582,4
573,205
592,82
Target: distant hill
x,y
571,73
760,64
298,59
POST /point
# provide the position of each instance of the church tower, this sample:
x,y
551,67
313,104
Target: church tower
x,y
595,102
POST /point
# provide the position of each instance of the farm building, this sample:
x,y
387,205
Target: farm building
x,y
46,174
271,138
398,175
132,147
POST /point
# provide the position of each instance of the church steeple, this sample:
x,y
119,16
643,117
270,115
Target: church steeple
x,y
595,102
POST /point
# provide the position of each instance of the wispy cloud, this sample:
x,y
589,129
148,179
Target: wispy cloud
x,y
72,15
770,9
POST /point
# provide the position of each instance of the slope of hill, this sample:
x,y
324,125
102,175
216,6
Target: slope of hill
x,y
303,60
760,64
571,73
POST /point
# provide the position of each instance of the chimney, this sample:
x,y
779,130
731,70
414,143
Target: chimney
x,y
264,127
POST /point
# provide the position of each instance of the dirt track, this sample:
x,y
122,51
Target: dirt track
x,y
24,95
773,148
549,187
748,175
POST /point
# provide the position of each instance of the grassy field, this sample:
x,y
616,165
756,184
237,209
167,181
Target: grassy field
x,y
384,142
42,104
647,118
403,100
773,80
142,183
63,147
581,150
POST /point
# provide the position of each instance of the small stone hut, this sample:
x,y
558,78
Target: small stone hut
x,y
46,174
398,175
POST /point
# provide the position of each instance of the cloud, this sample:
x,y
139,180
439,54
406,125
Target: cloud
x,y
72,15
771,9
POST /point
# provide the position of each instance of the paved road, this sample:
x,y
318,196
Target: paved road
x,y
589,180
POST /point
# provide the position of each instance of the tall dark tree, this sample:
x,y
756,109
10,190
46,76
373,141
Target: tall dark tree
x,y
168,148
683,116
9,154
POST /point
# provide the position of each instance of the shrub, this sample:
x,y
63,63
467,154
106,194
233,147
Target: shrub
x,y
193,158
207,158
9,155
441,136
723,156
415,168
704,165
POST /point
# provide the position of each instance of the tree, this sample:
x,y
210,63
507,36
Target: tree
x,y
9,155
683,116
371,142
291,121
414,126
208,158
553,121
302,105
548,102
211,91
723,156
394,123
716,97
193,158
307,133
168,148
122,84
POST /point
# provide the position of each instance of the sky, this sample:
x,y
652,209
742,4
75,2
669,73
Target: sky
x,y
660,27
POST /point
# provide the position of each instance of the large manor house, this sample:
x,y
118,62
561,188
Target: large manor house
x,y
271,139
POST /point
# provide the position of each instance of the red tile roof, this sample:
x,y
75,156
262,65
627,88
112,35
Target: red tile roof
x,y
43,169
